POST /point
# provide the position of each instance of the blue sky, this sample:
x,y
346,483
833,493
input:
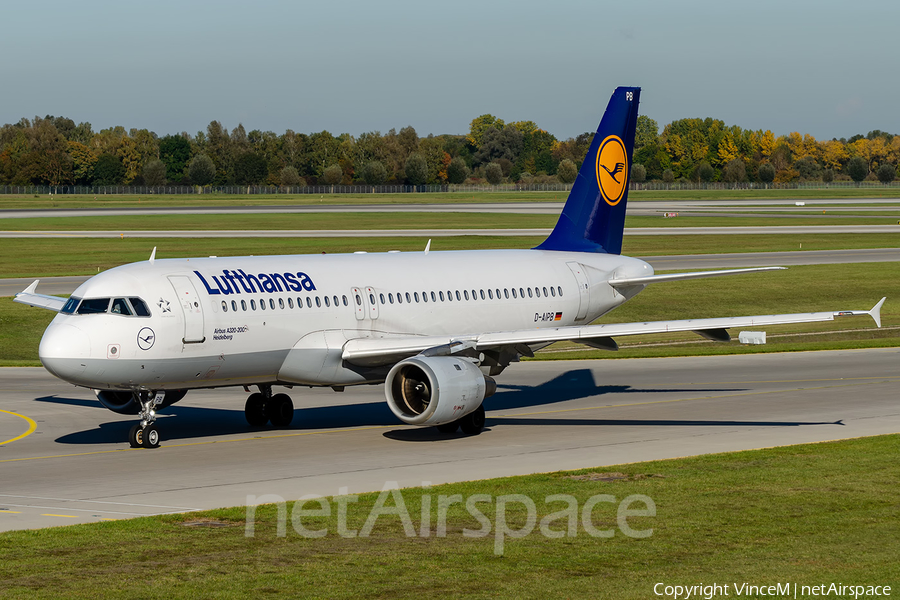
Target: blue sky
x,y
825,68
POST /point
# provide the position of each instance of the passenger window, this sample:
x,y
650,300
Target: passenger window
x,y
372,299
381,297
262,305
327,303
318,302
344,298
514,293
506,293
290,303
336,304
281,303
442,295
358,300
482,294
71,305
559,289
140,309
553,291
522,292
120,307
457,295
243,305
416,296
490,294
466,294
399,298
234,306
474,295
529,292
391,297
424,296
224,306
545,292
93,306
407,297
308,302
299,302
253,304
537,292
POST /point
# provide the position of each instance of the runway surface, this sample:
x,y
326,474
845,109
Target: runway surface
x,y
77,467
66,285
636,206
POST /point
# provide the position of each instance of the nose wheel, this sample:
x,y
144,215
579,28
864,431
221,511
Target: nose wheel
x,y
146,433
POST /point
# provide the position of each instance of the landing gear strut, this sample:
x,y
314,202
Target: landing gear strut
x,y
146,434
263,407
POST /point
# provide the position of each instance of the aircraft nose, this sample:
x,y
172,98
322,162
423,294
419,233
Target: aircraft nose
x,y
64,351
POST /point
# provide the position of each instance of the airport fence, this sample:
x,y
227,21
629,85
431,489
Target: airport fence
x,y
269,190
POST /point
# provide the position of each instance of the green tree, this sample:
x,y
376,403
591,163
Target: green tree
x,y
668,176
175,152
202,170
416,169
374,173
638,173
766,173
155,173
479,125
457,171
857,168
108,170
646,133
828,175
289,176
886,173
735,171
493,172
705,172
566,172
507,143
333,174
250,169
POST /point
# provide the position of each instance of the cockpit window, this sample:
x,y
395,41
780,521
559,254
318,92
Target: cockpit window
x,y
120,307
93,305
71,305
140,309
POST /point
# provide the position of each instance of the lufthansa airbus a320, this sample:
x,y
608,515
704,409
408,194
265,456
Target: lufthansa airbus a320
x,y
433,327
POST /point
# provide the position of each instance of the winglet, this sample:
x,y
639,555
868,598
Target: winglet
x,y
153,255
428,246
31,289
875,313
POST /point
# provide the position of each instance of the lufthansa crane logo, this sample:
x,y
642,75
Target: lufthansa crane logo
x,y
612,169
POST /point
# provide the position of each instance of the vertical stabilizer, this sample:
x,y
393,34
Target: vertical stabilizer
x,y
593,219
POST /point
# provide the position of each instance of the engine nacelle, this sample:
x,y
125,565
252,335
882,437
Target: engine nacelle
x,y
433,390
125,404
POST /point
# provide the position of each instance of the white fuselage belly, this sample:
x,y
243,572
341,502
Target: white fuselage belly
x,y
218,333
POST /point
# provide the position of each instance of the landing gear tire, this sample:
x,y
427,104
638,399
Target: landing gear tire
x,y
136,436
150,436
255,410
448,427
280,410
473,423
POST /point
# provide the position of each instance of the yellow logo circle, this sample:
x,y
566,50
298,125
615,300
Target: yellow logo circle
x,y
612,169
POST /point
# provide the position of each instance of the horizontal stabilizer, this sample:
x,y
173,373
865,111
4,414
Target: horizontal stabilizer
x,y
30,297
685,276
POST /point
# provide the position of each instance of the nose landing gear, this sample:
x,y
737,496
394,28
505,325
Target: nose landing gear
x,y
146,434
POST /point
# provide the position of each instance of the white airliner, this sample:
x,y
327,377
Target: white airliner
x,y
435,327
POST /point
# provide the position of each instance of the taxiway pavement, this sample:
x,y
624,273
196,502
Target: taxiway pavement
x,y
76,466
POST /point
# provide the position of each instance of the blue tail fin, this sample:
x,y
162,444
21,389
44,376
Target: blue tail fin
x,y
593,219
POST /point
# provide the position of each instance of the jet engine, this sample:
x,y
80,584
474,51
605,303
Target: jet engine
x,y
125,404
434,390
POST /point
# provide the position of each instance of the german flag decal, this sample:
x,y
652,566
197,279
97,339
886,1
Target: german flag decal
x,y
558,316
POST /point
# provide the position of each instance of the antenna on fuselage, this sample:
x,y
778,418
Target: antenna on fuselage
x,y
153,255
427,246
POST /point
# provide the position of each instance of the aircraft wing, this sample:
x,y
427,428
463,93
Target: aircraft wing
x,y
383,351
30,297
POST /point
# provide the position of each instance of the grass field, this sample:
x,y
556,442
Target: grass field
x,y
809,514
318,221
50,257
93,201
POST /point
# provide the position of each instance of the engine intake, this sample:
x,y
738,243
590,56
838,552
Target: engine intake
x,y
433,390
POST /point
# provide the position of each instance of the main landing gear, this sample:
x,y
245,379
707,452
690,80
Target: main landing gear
x,y
146,434
264,407
471,424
